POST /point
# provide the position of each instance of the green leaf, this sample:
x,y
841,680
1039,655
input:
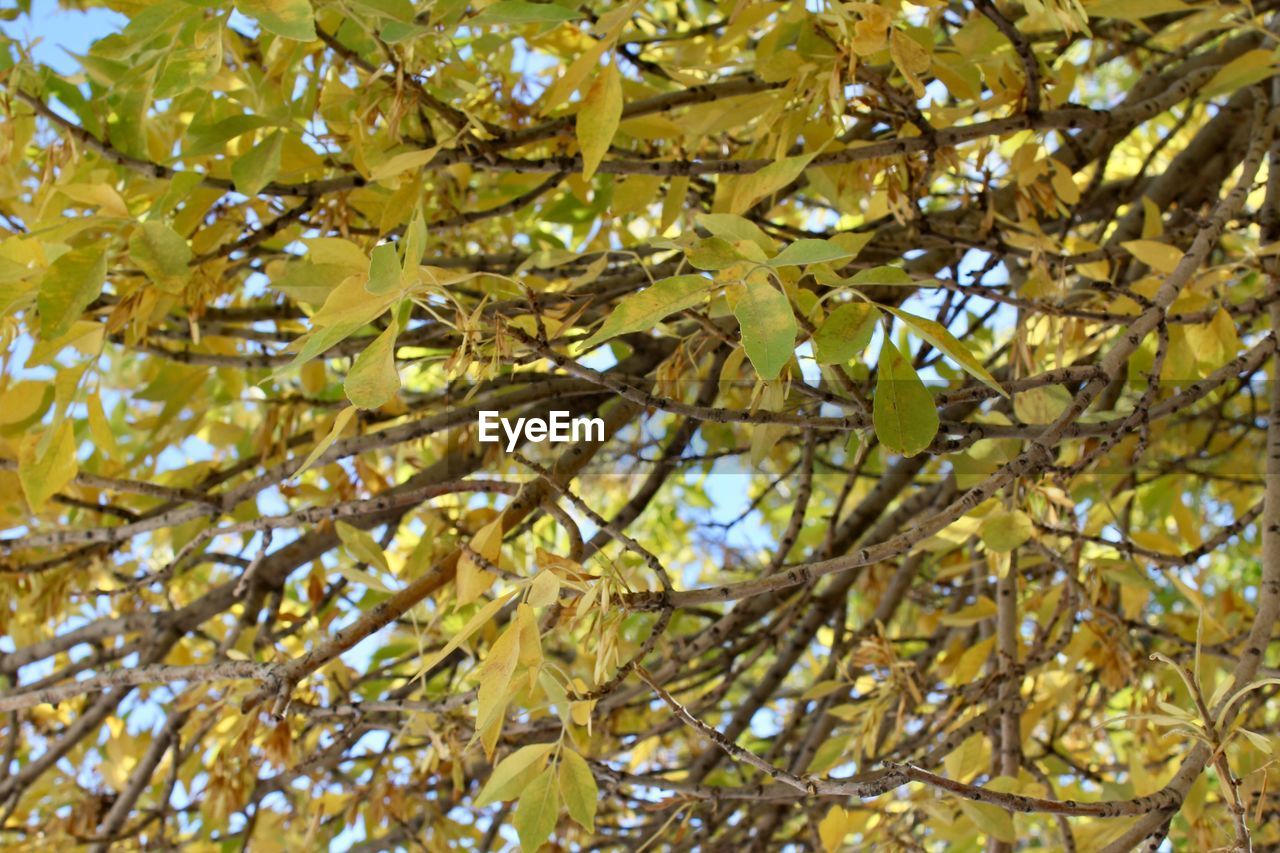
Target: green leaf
x,y
713,253
828,755
69,286
361,545
522,12
644,310
578,787
514,773
730,226
43,475
768,327
201,139
845,333
1134,10
992,820
348,308
598,118
293,19
384,270
259,166
162,254
1005,531
881,276
400,10
537,810
373,379
337,252
903,410
851,241
937,334
803,252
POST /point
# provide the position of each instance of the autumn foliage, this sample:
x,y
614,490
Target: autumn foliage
x,y
938,505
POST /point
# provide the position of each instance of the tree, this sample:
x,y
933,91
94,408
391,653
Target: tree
x,y
938,499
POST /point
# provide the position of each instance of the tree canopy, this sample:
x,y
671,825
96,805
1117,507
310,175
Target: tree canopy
x,y
938,503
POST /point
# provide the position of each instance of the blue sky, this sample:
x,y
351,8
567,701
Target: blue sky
x,y
60,32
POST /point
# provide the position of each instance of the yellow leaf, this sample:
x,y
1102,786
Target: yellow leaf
x,y
338,252
22,400
1155,540
983,608
768,327
44,475
373,379
598,118
1134,10
1260,741
1064,185
1005,531
578,788
970,663
537,810
514,773
479,618
634,193
937,334
100,195
993,820
259,166
833,828
293,19
403,163
1161,257
339,424
530,637
495,679
71,283
644,310
965,761
361,545
363,578
472,580
1152,219
743,192
573,76
1246,69
912,59
544,590
348,307
162,254
1041,405
100,428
